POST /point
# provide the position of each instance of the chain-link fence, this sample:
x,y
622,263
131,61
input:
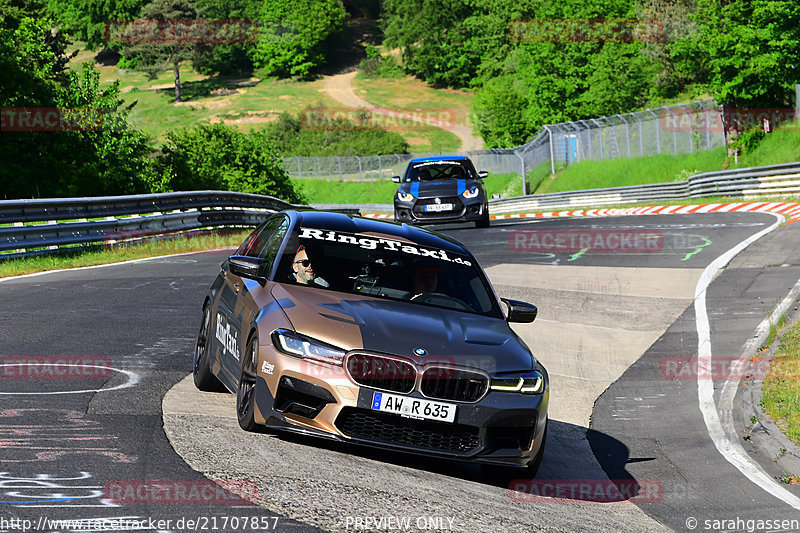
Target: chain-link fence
x,y
677,129
378,167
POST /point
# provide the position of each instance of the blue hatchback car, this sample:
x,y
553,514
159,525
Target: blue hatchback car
x,y
441,189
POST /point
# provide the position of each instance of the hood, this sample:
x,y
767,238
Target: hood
x,y
446,187
399,328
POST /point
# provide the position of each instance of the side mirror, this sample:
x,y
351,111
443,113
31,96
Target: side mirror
x,y
483,174
520,311
396,179
248,267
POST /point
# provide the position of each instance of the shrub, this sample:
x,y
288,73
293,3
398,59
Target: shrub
x,y
219,158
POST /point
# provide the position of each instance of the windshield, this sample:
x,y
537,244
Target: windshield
x,y
384,267
439,170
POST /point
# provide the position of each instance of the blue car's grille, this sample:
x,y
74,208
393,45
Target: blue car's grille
x,y
421,212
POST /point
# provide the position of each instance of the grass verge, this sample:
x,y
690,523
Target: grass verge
x,y
781,388
780,146
153,248
632,171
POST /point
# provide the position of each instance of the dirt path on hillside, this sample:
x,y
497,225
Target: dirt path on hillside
x,y
340,88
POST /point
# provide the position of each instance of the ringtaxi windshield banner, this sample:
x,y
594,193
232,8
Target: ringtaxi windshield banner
x,y
381,243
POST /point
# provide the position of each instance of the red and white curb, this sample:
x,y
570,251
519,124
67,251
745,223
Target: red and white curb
x,y
790,211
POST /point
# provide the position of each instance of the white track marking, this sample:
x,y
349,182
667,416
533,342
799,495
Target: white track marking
x,y
133,379
106,265
732,451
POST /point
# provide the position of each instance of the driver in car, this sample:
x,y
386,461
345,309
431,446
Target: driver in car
x,y
425,280
303,271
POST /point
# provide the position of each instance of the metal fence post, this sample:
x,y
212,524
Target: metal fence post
x,y
658,136
674,131
627,134
600,129
525,191
552,159
588,130
299,170
360,170
797,101
641,139
708,125
339,162
691,122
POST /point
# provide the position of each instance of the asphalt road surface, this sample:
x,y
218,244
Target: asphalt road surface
x,y
615,311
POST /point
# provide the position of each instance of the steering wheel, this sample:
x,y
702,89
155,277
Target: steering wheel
x,y
441,299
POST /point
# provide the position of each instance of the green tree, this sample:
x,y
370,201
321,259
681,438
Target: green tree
x,y
166,49
96,152
292,35
90,21
567,61
233,56
434,39
749,48
498,113
669,21
219,158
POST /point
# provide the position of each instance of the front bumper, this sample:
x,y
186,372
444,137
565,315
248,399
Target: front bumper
x,y
503,428
464,210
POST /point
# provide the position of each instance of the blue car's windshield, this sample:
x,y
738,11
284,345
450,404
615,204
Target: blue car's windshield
x,y
440,170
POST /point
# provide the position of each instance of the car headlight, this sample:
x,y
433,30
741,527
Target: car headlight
x,y
292,343
527,383
471,193
404,197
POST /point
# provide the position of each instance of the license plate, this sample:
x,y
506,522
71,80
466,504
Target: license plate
x,y
413,407
438,207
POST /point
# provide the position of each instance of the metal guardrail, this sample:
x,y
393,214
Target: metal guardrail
x,y
743,183
44,226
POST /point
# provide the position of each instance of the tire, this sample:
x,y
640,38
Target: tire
x,y
246,390
505,474
484,221
204,379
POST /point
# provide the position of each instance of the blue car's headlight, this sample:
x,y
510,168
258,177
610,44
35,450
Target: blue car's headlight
x,y
292,343
404,197
471,193
527,383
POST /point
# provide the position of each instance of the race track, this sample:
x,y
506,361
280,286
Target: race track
x,y
608,322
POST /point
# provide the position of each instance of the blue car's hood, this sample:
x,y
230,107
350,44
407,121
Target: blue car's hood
x,y
445,187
